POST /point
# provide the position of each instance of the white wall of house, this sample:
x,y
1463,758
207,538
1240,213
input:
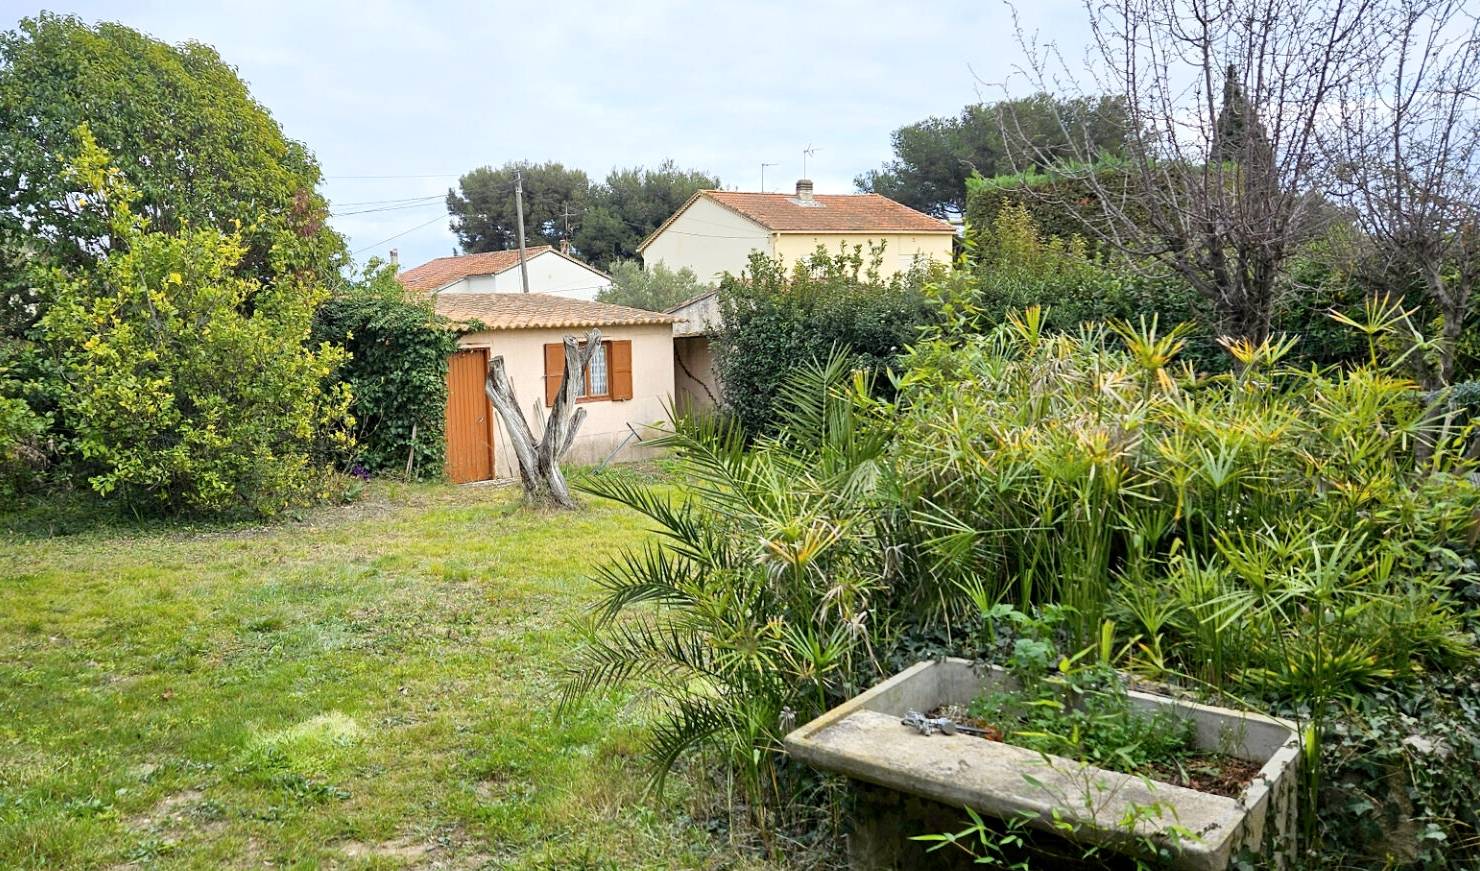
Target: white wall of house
x,y
696,383
709,239
548,273
606,420
698,317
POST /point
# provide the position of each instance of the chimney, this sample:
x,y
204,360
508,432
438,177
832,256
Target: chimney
x,y
395,257
804,190
564,246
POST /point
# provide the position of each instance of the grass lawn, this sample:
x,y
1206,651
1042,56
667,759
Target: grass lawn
x,y
370,687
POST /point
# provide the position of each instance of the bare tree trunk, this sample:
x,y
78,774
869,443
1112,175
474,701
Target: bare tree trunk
x,y
1224,102
539,460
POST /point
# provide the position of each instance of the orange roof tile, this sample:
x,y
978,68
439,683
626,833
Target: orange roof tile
x,y
514,311
829,213
437,274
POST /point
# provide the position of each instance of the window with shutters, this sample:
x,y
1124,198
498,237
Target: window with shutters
x,y
607,376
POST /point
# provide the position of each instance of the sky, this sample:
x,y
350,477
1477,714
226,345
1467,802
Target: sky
x,y
398,98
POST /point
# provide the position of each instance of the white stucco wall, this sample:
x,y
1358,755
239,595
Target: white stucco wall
x,y
606,420
548,273
709,239
700,317
696,384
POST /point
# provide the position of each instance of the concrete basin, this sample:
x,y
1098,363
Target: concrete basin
x,y
864,740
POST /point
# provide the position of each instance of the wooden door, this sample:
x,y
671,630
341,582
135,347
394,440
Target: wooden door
x,y
469,418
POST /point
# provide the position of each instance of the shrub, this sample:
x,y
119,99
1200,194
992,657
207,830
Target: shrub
x,y
21,432
396,371
774,321
1272,534
1061,205
1022,266
189,387
1028,235
1275,536
656,288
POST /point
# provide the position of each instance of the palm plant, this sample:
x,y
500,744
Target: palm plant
x,y
755,608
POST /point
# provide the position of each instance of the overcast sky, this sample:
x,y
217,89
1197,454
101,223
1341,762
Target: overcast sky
x,y
397,98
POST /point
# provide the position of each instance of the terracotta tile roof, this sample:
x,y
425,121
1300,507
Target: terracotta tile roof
x,y
833,213
437,274
514,311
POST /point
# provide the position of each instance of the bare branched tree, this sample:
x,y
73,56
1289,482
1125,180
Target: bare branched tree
x,y
539,460
1225,102
1405,157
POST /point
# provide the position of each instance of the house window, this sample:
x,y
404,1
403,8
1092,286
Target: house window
x,y
607,376
595,386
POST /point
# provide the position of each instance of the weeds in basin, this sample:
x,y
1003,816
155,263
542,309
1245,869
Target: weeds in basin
x,y
1075,706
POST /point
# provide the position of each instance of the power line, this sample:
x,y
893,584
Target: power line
x,y
401,207
390,201
398,235
358,177
708,235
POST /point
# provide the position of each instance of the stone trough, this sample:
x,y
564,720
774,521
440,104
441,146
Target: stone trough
x,y
864,739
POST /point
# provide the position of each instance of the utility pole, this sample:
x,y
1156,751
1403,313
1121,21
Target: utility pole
x,y
519,214
763,174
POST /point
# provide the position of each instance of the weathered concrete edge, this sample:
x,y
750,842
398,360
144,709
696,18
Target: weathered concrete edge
x,y
1255,800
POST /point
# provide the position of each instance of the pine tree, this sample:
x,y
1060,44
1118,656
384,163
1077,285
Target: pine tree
x,y
1238,136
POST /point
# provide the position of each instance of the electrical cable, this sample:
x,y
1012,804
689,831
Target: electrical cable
x,y
397,236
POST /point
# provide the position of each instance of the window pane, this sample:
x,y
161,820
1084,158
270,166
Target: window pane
x,y
598,371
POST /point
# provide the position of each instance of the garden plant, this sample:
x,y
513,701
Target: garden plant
x,y
1281,538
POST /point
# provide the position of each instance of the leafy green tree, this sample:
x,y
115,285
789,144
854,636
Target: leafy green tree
x,y
630,205
189,384
933,158
656,289
397,371
484,215
182,127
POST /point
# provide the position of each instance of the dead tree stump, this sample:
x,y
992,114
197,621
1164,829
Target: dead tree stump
x,y
539,460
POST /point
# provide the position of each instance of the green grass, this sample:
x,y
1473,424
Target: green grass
x,y
367,687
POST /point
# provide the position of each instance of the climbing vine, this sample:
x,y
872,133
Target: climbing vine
x,y
397,372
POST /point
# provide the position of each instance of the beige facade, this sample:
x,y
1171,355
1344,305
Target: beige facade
x,y
716,232
607,421
901,250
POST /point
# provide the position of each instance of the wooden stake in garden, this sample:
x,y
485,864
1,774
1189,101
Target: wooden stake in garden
x,y
539,461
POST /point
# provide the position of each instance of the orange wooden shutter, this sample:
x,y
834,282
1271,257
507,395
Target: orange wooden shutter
x,y
619,362
554,368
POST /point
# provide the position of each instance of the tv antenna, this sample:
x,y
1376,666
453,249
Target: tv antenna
x,y
806,153
763,174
